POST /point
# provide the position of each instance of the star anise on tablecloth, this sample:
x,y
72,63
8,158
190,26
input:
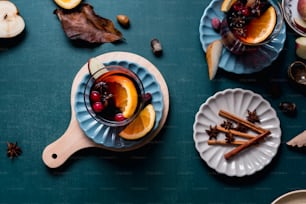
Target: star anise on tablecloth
x,y
212,132
13,150
253,117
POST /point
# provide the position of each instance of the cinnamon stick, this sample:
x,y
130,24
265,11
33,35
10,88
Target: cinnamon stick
x,y
248,143
223,142
244,122
235,132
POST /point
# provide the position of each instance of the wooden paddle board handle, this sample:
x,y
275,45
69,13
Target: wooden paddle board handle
x,y
58,152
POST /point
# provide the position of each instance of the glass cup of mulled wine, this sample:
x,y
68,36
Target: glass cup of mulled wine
x,y
113,96
249,24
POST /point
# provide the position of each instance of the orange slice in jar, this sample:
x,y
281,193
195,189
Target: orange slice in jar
x,y
141,125
259,29
124,93
227,4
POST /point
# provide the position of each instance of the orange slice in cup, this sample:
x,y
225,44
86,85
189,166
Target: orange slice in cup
x,y
141,125
226,5
124,94
259,29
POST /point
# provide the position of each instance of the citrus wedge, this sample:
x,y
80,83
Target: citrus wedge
x,y
227,4
124,93
67,4
259,29
142,124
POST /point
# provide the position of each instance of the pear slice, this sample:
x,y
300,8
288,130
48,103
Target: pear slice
x,y
299,140
213,54
95,67
301,47
300,23
11,23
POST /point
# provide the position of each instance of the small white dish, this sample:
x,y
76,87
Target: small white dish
x,y
293,197
291,13
236,101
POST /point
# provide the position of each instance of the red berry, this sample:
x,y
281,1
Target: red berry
x,y
245,11
95,96
237,6
97,107
216,23
119,117
147,98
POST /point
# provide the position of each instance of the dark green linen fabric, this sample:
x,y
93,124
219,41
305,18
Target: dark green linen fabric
x,y
35,82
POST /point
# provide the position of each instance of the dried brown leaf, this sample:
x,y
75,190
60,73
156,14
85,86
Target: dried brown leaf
x,y
82,23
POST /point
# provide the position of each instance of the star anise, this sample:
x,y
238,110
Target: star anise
x,y
13,150
212,132
253,117
227,124
229,137
241,128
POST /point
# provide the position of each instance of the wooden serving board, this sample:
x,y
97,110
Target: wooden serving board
x,y
74,139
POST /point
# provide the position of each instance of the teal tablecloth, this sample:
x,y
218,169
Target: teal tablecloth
x,y
36,77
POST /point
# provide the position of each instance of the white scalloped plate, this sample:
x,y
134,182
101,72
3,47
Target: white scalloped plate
x,y
236,101
290,13
293,197
239,64
108,136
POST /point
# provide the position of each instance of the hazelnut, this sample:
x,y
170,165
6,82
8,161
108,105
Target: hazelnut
x,y
123,20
